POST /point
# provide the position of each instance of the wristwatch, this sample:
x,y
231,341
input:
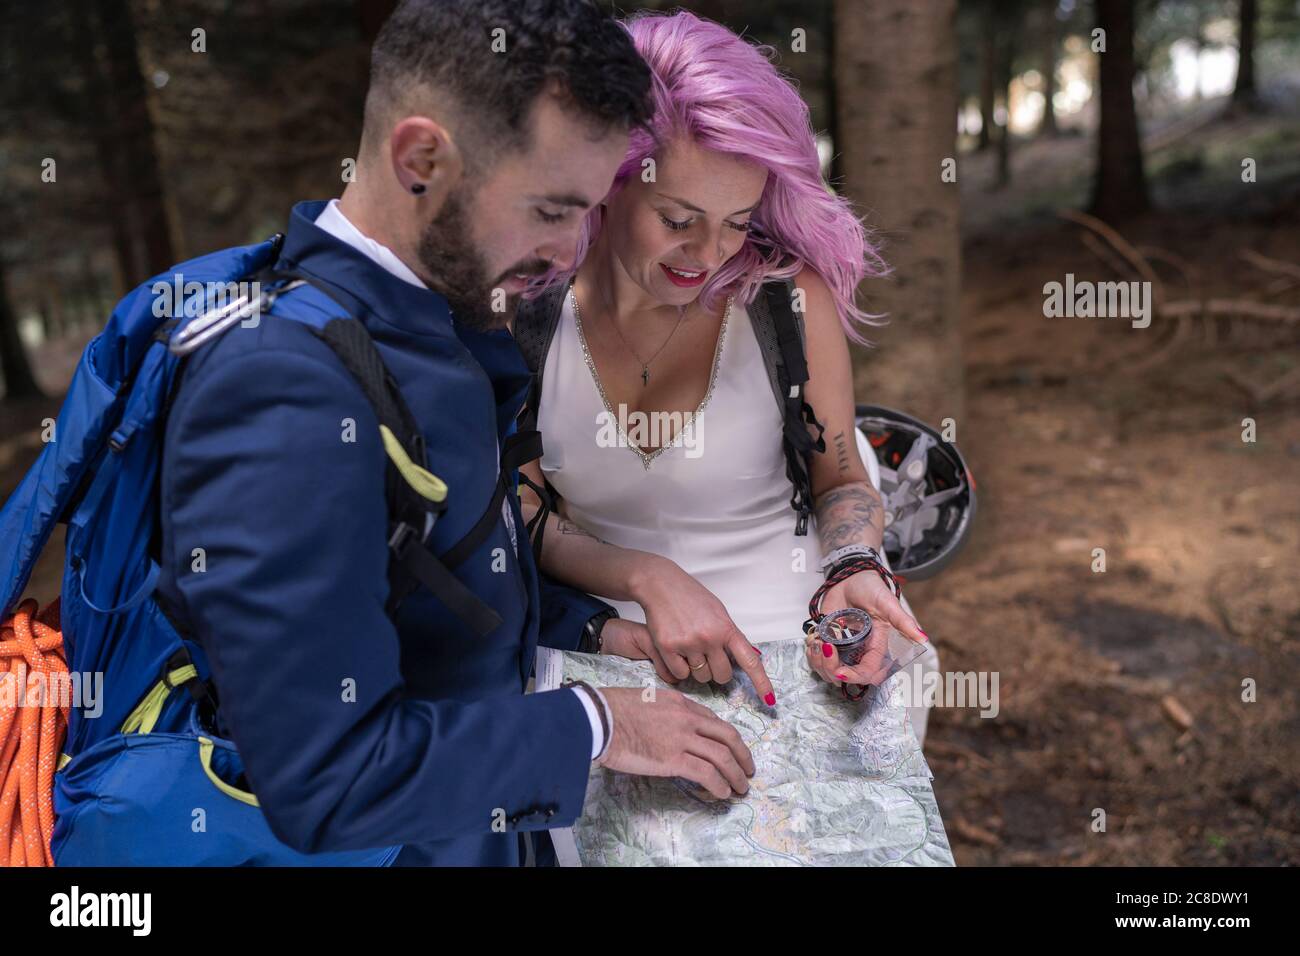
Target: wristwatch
x,y
592,641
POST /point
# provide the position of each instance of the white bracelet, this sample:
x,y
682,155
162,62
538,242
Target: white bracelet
x,y
850,551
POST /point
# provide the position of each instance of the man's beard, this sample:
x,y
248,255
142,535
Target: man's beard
x,y
449,255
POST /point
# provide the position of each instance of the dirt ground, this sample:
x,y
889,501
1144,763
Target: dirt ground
x,y
1076,444
1077,441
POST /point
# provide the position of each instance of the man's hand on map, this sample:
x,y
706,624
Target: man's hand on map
x,y
867,591
632,640
671,735
694,634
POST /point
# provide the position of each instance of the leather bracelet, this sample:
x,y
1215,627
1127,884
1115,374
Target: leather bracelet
x,y
851,566
602,712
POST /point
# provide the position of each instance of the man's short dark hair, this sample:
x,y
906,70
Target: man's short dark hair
x,y
455,47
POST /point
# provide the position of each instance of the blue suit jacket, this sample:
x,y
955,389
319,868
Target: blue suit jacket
x,y
274,467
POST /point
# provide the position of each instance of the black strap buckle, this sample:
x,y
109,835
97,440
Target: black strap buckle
x,y
399,542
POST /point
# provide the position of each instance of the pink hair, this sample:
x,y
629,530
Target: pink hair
x,y
724,94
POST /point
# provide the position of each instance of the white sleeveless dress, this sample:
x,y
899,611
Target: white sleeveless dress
x,y
716,500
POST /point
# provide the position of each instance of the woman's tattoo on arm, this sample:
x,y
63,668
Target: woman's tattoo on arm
x,y
566,526
849,514
841,453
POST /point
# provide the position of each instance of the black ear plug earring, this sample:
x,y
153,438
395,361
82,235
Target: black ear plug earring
x,y
417,188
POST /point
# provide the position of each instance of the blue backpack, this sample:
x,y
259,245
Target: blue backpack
x,y
143,780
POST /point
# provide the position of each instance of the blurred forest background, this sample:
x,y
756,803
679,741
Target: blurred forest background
x,y
994,147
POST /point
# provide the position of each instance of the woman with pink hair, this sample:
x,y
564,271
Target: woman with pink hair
x,y
663,442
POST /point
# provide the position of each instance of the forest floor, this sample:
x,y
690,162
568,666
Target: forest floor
x,y
1076,445
1078,440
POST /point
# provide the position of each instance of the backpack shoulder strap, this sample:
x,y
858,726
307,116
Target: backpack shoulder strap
x,y
780,333
535,323
534,329
415,496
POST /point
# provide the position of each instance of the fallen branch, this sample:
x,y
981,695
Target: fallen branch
x,y
1230,308
1281,284
1270,265
1264,393
1123,247
1121,256
1176,713
1180,265
1140,361
1106,255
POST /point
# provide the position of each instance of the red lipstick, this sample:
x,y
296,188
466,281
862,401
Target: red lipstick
x,y
677,279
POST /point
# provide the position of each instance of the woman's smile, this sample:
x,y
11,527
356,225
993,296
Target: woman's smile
x,y
683,277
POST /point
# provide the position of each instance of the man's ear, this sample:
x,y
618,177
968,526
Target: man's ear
x,y
427,162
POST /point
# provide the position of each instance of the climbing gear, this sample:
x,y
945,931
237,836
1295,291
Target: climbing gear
x,y
926,487
33,721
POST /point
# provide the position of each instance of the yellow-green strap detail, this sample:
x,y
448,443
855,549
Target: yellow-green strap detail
x,y
146,713
426,483
205,758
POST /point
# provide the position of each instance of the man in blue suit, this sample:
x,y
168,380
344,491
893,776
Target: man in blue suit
x,y
491,127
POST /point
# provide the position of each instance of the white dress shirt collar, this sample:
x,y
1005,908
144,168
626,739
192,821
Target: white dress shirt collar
x,y
340,227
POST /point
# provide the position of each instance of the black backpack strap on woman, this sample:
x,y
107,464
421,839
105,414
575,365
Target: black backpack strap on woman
x,y
534,327
780,334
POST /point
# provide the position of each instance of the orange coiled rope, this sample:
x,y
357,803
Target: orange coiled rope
x,y
33,724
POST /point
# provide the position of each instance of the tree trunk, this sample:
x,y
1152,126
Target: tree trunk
x,y
832,102
1119,187
14,367
988,73
1051,45
132,129
1006,56
1244,95
896,73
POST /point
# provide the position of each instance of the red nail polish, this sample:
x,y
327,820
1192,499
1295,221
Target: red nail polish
x,y
840,677
760,653
770,699
827,650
